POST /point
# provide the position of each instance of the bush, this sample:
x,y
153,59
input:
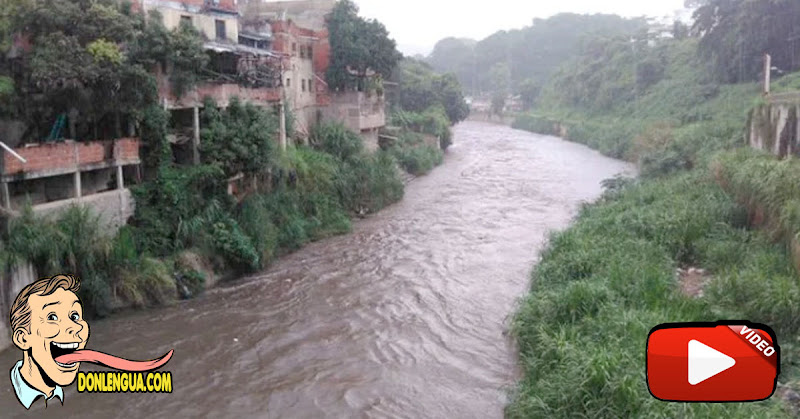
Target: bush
x,y
337,140
432,121
166,204
370,182
239,138
414,155
111,270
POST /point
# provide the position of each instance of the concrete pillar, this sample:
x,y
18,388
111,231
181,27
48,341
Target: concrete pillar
x,y
6,196
282,118
120,180
77,183
196,137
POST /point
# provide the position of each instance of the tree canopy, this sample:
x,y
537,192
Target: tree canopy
x,y
532,54
92,60
420,88
359,47
736,33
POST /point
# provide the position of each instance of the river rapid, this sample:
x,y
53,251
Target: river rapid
x,y
405,317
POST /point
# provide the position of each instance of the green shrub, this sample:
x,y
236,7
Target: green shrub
x,y
432,121
337,140
370,182
535,123
238,138
256,222
166,204
414,155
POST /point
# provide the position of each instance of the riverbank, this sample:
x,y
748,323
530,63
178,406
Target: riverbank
x,y
189,232
487,117
623,267
607,280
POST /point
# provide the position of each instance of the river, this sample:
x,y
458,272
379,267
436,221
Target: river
x,y
406,317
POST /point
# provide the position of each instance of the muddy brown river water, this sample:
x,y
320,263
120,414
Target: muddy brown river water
x,y
405,317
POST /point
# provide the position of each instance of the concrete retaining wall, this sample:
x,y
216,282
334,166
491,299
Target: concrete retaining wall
x,y
11,283
774,128
112,207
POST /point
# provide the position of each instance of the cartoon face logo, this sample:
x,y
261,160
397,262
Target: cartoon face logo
x,y
48,327
53,327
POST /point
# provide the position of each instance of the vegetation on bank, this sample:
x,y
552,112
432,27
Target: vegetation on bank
x,y
606,281
306,193
70,56
702,200
425,105
766,186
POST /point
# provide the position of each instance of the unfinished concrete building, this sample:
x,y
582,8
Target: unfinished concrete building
x,y
56,175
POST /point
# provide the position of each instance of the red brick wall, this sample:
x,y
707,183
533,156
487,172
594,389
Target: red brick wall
x,y
126,148
322,53
40,157
43,157
92,152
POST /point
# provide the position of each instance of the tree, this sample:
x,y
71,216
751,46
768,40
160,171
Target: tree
x,y
449,94
457,56
93,59
498,103
529,90
239,138
420,88
736,33
500,76
534,52
359,48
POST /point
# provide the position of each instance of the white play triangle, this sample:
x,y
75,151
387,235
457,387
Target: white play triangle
x,y
706,362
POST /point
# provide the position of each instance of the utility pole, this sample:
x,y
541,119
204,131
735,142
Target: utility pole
x,y
767,73
283,125
282,112
635,69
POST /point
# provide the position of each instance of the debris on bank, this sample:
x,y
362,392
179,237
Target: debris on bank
x,y
693,281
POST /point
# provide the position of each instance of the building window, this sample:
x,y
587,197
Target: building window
x,y
220,26
310,85
308,52
294,48
303,83
302,51
186,20
288,82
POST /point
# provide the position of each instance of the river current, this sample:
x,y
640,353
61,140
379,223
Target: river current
x,y
405,317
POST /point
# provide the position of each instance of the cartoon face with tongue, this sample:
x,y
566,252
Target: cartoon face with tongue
x,y
48,326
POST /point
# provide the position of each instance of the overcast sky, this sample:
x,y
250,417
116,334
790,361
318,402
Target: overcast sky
x,y
417,25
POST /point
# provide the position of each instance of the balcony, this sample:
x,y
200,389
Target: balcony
x,y
60,158
222,93
357,111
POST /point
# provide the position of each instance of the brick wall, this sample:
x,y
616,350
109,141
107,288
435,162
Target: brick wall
x,y
67,154
40,157
126,149
91,152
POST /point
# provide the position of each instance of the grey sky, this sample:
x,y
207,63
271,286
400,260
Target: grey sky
x,y
416,25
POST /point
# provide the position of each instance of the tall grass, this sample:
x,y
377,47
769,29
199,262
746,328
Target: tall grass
x,y
765,185
603,283
414,155
75,242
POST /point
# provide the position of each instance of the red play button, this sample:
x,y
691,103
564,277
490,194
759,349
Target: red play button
x,y
712,362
